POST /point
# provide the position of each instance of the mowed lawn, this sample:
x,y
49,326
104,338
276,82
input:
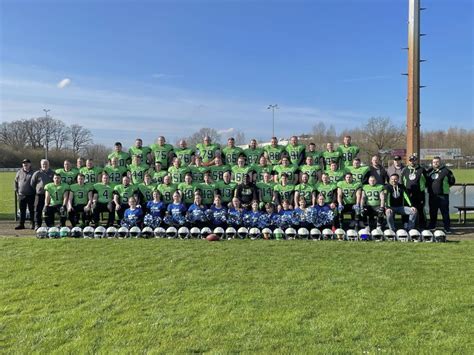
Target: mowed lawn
x,y
235,296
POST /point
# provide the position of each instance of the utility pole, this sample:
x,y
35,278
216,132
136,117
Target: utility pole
x,y
413,92
46,145
273,107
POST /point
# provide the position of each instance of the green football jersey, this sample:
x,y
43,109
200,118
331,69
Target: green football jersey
x,y
207,192
217,172
348,154
316,155
207,152
253,155
57,193
177,174
80,194
140,152
198,173
91,176
115,174
295,153
187,192
167,192
104,192
360,174
329,157
260,170
290,170
265,191
161,153
327,190
146,191
373,194
184,155
158,176
313,172
68,177
226,190
306,190
231,155
336,176
137,173
124,192
284,192
349,191
274,153
239,173
123,158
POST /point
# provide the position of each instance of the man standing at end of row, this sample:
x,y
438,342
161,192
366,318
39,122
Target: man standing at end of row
x,y
25,192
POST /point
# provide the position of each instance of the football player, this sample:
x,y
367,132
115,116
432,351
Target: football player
x,y
79,202
68,173
231,152
102,201
348,152
56,198
330,155
349,195
295,151
123,157
253,152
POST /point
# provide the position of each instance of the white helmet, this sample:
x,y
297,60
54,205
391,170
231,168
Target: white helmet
x,y
267,233
171,232
377,235
111,232
254,233
42,232
53,232
402,235
147,232
278,234
76,232
303,233
183,232
230,233
64,232
427,235
415,235
195,232
364,234
99,232
315,234
439,236
135,232
389,235
327,234
122,232
205,232
290,233
88,232
242,232
219,231
340,234
159,232
352,235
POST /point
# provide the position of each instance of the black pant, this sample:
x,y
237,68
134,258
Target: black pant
x,y
24,202
121,211
76,214
104,207
51,211
39,205
418,201
355,217
374,212
440,202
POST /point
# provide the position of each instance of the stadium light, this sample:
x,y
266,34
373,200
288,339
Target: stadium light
x,y
273,107
47,135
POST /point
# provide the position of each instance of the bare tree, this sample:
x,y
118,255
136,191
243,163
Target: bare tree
x,y
60,135
203,132
382,134
13,134
239,137
80,138
98,152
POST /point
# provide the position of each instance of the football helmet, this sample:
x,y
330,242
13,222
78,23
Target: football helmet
x,y
88,232
327,234
171,232
147,232
439,236
290,233
242,232
42,232
415,235
303,233
230,233
205,232
76,232
403,236
159,232
195,232
122,232
389,235
377,235
219,231
53,232
254,233
267,233
427,236
340,234
183,232
64,232
99,232
111,232
278,234
352,235
315,234
364,234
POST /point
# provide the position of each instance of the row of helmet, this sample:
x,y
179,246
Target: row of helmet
x,y
243,233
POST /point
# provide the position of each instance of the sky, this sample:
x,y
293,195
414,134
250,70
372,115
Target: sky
x,y
128,69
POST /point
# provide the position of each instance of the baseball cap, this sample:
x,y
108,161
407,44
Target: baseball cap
x,y
397,157
26,161
412,157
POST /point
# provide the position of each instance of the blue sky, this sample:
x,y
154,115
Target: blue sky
x,y
147,68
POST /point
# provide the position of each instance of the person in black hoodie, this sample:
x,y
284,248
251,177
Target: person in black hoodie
x,y
397,201
414,179
439,180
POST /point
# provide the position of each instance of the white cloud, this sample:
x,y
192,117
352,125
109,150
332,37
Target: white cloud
x,y
63,83
226,131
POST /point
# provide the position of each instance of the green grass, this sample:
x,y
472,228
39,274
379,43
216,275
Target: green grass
x,y
464,176
239,296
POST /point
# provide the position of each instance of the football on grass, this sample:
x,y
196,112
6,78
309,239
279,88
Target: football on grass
x,y
212,238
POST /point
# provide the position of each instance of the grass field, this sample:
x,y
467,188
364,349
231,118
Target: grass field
x,y
238,296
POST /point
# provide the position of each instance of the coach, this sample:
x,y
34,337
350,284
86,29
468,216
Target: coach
x,y
25,192
414,179
439,180
38,181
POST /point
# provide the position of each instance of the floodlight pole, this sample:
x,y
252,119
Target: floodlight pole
x,y
273,107
413,93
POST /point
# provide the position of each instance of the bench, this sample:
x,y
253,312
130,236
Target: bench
x,y
464,209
